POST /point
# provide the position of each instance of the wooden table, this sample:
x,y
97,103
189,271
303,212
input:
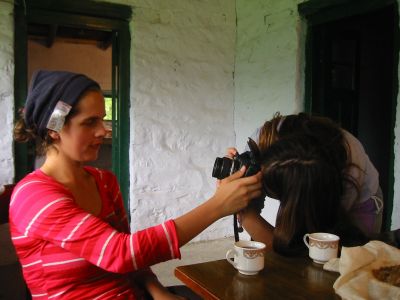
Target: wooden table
x,y
282,278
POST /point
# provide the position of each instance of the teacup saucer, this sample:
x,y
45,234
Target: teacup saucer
x,y
248,272
321,262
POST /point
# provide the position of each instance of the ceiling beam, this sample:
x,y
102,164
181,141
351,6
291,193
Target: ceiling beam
x,y
52,35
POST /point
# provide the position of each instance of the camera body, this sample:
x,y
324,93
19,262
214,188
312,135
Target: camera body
x,y
225,166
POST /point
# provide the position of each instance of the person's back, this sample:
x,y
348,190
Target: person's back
x,y
361,194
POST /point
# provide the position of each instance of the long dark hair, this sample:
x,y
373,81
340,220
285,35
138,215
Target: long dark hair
x,y
325,131
300,174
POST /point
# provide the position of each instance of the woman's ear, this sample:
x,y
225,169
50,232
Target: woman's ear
x,y
54,135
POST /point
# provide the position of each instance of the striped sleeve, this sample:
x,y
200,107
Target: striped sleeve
x,y
45,211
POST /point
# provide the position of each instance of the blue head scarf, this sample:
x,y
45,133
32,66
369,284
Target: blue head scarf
x,y
46,89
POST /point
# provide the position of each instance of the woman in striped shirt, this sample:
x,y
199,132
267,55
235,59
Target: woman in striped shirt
x,y
72,246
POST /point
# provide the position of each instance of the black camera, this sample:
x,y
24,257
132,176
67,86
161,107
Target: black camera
x,y
225,166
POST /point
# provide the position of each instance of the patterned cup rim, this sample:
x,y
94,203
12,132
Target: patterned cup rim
x,y
245,245
323,237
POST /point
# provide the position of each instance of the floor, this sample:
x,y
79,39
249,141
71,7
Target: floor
x,y
192,253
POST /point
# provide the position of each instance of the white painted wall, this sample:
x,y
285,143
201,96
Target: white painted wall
x,y
6,92
268,68
267,64
182,106
396,194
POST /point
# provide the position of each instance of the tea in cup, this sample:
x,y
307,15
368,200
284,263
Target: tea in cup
x,y
248,257
322,246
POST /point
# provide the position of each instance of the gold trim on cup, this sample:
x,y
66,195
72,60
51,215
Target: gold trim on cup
x,y
252,254
323,245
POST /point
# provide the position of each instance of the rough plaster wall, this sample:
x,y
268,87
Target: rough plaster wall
x,y
268,68
6,92
182,106
396,194
266,64
396,167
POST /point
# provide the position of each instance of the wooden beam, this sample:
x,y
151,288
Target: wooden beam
x,y
52,35
106,42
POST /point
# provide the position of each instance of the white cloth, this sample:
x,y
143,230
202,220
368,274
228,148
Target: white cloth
x,y
356,280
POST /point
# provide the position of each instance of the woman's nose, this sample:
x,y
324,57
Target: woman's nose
x,y
101,130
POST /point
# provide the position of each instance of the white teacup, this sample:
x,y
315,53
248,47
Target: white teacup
x,y
322,246
248,257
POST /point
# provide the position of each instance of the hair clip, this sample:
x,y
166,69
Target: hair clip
x,y
57,118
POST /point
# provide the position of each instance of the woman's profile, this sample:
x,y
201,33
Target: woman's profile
x,y
67,220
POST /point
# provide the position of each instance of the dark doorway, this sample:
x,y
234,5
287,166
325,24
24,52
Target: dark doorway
x,y
105,24
354,81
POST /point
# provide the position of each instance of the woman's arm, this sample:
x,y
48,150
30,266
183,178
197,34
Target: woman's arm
x,y
45,211
159,292
257,227
149,282
233,194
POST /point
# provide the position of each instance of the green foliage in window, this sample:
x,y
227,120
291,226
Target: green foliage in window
x,y
108,102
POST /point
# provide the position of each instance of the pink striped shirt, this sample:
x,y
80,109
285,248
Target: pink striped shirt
x,y
67,253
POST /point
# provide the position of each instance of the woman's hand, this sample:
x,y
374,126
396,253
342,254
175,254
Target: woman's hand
x,y
257,227
167,295
157,290
231,152
235,192
232,194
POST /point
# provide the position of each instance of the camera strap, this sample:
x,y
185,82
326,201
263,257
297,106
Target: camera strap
x,y
237,227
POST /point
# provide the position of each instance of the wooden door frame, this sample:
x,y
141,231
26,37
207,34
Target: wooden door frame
x,y
85,14
318,12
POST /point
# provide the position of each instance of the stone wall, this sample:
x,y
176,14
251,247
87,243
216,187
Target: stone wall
x,y
182,106
6,92
268,64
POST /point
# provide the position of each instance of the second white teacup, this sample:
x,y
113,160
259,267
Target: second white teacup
x,y
248,257
322,246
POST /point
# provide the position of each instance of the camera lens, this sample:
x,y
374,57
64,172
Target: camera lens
x,y
222,167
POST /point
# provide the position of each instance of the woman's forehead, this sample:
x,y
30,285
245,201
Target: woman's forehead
x,y
91,100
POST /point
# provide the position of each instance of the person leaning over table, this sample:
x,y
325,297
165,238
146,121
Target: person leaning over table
x,y
75,246
361,197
